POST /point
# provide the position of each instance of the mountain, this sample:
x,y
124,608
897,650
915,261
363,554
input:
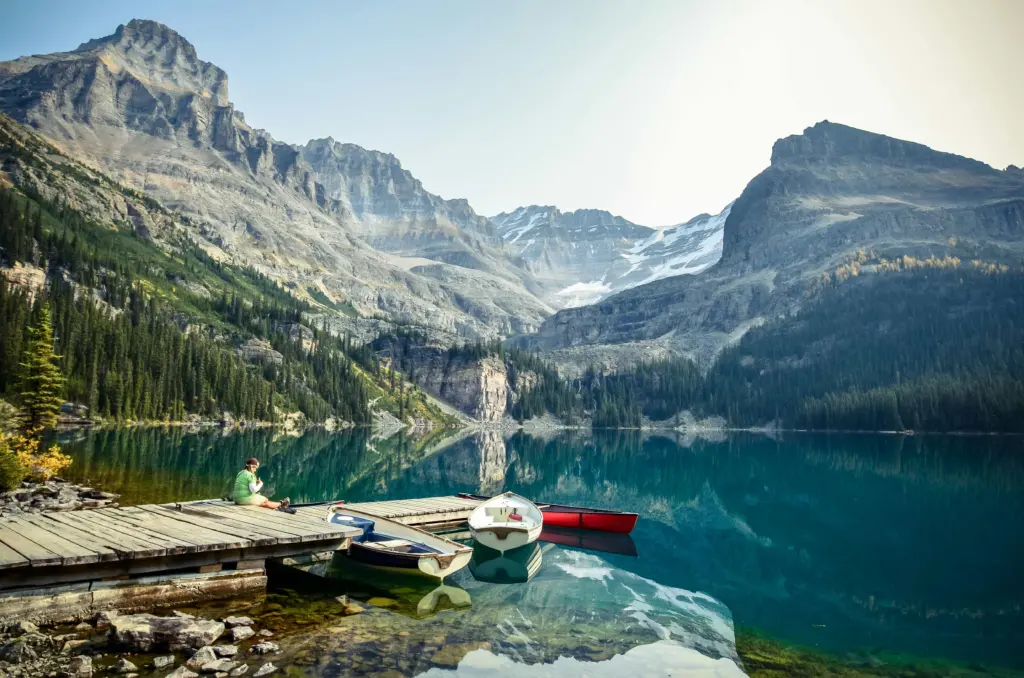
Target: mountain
x,y
393,213
161,331
837,206
588,255
141,106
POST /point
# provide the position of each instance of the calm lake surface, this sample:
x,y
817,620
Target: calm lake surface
x,y
878,551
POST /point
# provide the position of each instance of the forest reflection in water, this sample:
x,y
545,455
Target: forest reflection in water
x,y
863,544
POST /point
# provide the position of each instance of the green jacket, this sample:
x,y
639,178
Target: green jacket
x,y
242,480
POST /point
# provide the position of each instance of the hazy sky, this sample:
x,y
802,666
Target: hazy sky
x,y
654,110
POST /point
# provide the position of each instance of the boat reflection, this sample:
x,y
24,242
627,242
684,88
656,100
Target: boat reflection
x,y
512,567
606,542
456,597
407,594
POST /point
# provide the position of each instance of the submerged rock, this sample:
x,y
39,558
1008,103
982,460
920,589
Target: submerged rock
x,y
219,666
16,653
202,657
80,667
264,670
265,647
23,627
105,619
125,666
163,662
182,672
237,621
241,633
146,632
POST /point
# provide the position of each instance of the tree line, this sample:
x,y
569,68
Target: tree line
x,y
914,349
135,343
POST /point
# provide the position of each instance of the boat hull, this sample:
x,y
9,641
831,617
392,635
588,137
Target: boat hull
x,y
445,556
579,517
505,539
618,523
506,522
430,565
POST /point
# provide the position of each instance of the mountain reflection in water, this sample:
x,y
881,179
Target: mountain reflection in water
x,y
859,545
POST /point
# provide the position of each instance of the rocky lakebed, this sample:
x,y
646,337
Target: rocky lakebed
x,y
179,645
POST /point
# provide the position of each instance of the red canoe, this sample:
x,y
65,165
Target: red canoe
x,y
578,517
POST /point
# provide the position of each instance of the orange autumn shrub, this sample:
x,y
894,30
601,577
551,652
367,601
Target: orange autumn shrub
x,y
21,457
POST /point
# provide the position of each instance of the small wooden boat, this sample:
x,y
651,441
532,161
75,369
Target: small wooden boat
x,y
579,517
505,522
389,544
514,567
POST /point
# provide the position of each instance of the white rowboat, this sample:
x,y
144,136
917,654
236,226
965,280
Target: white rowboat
x,y
506,522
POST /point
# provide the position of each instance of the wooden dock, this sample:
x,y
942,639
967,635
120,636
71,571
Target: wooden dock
x,y
427,513
202,536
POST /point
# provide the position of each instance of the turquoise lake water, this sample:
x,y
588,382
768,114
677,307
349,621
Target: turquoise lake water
x,y
873,549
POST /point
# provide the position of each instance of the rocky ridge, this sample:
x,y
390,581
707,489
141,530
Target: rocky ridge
x,y
828,194
140,105
393,213
588,255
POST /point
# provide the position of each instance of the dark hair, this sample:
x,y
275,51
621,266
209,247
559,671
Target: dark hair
x,y
251,461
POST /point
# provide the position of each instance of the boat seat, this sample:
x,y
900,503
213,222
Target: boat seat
x,y
389,543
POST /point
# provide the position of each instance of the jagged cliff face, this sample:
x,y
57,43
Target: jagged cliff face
x,y
374,186
141,106
478,388
393,212
588,255
828,193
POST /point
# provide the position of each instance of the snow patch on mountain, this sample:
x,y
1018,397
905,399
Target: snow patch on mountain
x,y
583,293
588,255
678,250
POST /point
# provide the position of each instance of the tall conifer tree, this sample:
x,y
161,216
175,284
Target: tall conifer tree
x,y
42,384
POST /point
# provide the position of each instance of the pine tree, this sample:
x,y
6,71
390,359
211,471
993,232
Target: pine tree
x,y
42,384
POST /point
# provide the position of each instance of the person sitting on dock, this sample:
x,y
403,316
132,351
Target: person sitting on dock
x,y
248,486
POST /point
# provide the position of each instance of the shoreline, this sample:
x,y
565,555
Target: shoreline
x,y
526,427
767,656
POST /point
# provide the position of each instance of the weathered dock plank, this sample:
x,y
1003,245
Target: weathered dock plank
x,y
124,544
426,511
33,552
309,530
204,539
10,558
171,545
98,546
69,552
245,531
290,532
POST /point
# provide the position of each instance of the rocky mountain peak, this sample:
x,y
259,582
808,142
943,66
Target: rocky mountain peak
x,y
352,154
159,57
827,142
373,184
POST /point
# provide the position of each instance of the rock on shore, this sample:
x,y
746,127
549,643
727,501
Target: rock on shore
x,y
54,495
147,632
